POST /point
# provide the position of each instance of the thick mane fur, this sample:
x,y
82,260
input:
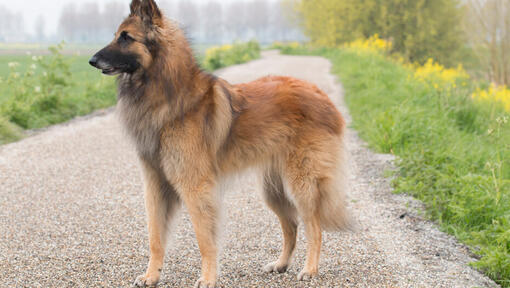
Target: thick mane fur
x,y
166,92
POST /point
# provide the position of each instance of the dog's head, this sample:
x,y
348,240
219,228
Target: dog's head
x,y
135,44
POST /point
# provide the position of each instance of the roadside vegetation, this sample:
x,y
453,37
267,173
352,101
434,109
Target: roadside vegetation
x,y
230,54
451,135
38,91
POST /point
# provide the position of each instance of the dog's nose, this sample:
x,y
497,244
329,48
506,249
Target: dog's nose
x,y
93,61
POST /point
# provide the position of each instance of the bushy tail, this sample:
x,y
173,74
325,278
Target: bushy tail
x,y
333,211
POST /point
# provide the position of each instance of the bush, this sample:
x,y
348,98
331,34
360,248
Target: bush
x,y
46,93
227,55
417,29
8,131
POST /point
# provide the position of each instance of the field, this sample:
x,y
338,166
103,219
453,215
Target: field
x,y
41,87
452,148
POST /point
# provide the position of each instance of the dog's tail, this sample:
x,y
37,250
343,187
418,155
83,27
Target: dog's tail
x,y
333,211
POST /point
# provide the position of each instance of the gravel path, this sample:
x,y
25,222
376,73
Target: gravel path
x,y
72,215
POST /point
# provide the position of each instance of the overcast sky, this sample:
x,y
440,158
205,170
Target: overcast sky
x,y
50,10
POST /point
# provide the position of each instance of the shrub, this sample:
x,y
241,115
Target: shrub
x,y
227,55
418,29
47,92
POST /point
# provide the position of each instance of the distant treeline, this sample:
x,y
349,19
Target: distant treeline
x,y
212,22
11,25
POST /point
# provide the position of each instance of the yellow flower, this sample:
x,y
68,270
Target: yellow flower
x,y
494,93
373,44
438,76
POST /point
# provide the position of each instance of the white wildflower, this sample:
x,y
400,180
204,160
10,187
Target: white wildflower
x,y
37,89
34,58
45,74
33,66
13,64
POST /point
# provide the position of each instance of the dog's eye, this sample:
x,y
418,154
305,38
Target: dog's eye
x,y
124,37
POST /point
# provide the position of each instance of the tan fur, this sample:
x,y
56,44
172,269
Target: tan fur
x,y
191,130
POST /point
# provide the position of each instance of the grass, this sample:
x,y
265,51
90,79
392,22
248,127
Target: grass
x,y
453,153
40,91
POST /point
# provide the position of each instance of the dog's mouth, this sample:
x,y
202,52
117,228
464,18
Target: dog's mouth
x,y
111,71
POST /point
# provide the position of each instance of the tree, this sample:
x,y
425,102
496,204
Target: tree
x,y
212,21
188,17
258,18
488,26
39,27
67,22
236,19
419,29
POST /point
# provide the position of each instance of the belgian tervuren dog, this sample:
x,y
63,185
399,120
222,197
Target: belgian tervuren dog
x,y
191,129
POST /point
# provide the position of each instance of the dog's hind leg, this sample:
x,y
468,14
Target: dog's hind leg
x,y
275,197
301,174
161,203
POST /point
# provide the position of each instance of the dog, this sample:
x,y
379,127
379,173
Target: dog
x,y
192,129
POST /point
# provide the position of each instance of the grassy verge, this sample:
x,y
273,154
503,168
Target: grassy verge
x,y
227,55
38,91
453,151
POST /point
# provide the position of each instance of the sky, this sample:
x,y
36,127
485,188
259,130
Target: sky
x,y
50,10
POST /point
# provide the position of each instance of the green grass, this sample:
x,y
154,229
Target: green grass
x,y
446,156
58,89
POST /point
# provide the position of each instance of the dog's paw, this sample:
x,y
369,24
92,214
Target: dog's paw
x,y
145,281
306,275
202,283
275,267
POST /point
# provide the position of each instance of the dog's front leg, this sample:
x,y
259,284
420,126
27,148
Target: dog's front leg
x,y
202,204
161,203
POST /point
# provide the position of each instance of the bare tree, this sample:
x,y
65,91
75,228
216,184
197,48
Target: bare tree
x,y
39,26
257,18
488,29
11,25
67,22
189,18
212,22
112,16
235,20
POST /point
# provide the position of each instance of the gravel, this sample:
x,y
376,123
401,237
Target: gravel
x,y
72,215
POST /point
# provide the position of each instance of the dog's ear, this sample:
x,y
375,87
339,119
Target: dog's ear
x,y
135,7
148,11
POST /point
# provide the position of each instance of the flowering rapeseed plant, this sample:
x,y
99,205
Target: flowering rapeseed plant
x,y
373,44
494,93
438,76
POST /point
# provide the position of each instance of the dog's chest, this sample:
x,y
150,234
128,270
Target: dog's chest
x,y
143,128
